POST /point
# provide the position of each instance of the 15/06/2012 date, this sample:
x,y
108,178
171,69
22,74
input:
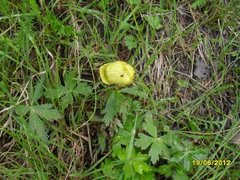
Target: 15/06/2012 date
x,y
208,162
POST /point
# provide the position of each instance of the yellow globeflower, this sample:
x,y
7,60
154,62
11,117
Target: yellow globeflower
x,y
118,72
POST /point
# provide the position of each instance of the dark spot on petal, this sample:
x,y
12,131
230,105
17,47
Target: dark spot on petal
x,y
121,75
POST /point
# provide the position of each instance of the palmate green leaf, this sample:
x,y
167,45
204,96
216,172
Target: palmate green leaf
x,y
171,139
147,176
130,42
184,159
46,111
124,109
83,89
102,142
154,152
187,161
149,125
108,169
141,167
200,153
154,21
55,93
123,137
38,90
112,107
165,170
141,157
158,148
37,125
143,141
177,157
70,81
186,153
121,154
66,100
180,174
134,91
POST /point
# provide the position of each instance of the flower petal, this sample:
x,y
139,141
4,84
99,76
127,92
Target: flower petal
x,y
103,76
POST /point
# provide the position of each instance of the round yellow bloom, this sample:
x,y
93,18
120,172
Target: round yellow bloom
x,y
118,72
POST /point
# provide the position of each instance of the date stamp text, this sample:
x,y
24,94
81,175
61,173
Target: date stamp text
x,y
208,162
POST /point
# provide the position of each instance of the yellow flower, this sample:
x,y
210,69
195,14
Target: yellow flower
x,y
118,72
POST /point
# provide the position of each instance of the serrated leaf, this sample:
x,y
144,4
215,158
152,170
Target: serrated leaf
x,y
47,112
37,125
124,25
70,82
154,21
134,91
117,148
66,100
102,142
158,148
171,139
136,105
180,175
124,137
112,107
187,161
122,154
143,141
147,176
55,93
83,89
38,91
154,152
141,157
141,167
177,157
149,125
125,108
22,110
130,42
165,170
108,169
200,154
